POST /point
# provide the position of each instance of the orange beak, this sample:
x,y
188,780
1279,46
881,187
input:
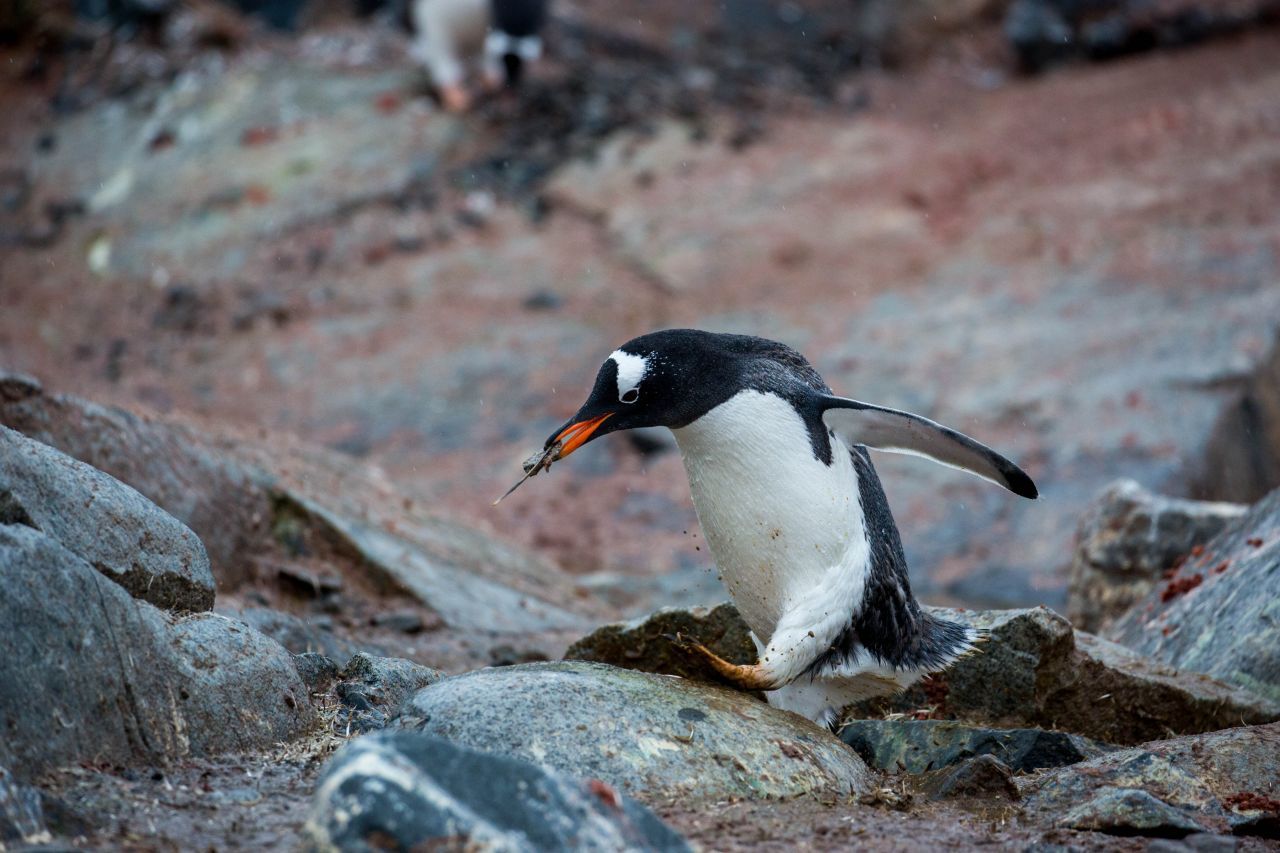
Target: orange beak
x,y
576,435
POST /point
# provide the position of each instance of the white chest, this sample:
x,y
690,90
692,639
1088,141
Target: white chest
x,y
777,519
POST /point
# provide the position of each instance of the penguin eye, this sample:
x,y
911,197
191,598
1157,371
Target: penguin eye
x,y
631,396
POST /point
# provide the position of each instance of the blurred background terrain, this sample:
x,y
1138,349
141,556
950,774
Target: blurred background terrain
x,y
258,219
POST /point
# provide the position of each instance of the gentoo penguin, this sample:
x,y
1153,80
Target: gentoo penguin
x,y
792,509
451,34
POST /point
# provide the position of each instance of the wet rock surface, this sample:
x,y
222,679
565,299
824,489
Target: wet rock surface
x,y
108,678
1220,613
408,790
112,527
1217,782
642,733
1126,541
919,746
1033,669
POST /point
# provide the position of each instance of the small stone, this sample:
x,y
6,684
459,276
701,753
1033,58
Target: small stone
x,y
543,300
981,776
919,746
404,621
386,682
317,671
507,655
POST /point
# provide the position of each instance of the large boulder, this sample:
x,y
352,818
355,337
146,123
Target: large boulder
x,y
246,500
1221,613
410,791
116,530
1126,540
90,674
1203,783
1034,670
642,733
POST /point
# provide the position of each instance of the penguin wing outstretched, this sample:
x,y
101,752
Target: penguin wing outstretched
x,y
902,432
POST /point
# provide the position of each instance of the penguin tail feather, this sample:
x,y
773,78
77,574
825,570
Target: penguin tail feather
x,y
942,643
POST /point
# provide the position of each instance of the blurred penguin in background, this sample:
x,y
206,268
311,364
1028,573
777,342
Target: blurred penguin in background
x,y
455,36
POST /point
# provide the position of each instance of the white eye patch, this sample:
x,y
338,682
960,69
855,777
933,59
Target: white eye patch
x,y
631,370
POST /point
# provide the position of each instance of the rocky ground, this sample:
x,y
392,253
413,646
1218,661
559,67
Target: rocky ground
x,y
276,331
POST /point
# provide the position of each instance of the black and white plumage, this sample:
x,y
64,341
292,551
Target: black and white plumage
x,y
500,35
792,509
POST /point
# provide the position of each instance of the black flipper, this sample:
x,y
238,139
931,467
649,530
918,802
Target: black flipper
x,y
902,432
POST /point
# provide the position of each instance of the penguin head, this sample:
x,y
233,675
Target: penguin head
x,y
668,378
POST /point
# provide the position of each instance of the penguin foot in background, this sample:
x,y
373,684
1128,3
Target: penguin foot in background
x,y
455,98
748,677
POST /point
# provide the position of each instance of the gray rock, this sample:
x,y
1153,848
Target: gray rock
x,y
295,633
1197,842
639,732
104,677
244,500
317,671
1221,614
237,689
643,644
412,791
1126,540
1034,670
1197,783
21,812
114,528
1128,811
919,746
373,689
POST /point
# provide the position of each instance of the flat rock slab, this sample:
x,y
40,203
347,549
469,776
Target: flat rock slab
x,y
91,674
919,746
1221,613
642,733
1034,670
114,528
410,791
1222,781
